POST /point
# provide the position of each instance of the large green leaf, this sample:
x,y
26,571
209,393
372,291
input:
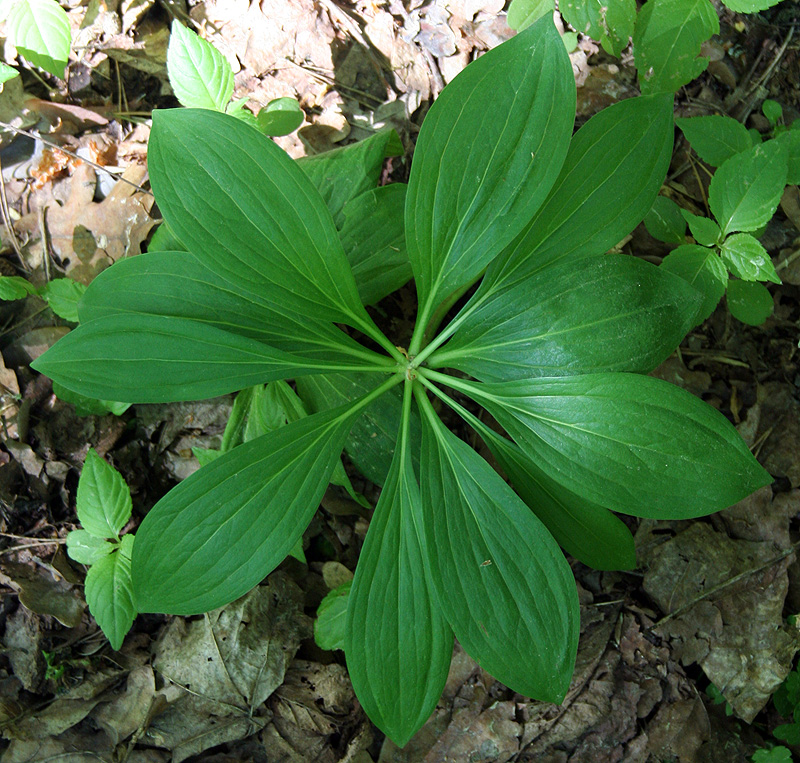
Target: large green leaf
x,y
109,592
158,359
749,6
613,171
703,269
39,29
746,190
177,284
103,502
667,40
371,443
610,22
715,138
503,583
603,313
248,212
345,173
198,73
631,443
522,13
589,532
224,528
398,643
374,238
480,173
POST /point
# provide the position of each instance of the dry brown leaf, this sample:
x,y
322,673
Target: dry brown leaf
x,y
44,591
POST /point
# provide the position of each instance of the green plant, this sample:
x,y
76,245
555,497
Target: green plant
x,y
743,196
40,31
201,78
556,340
103,506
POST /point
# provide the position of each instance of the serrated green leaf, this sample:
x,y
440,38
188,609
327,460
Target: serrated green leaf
x,y
374,238
86,548
109,593
39,29
7,73
199,74
280,117
500,578
602,313
164,359
747,258
15,287
89,406
523,13
63,295
749,6
263,493
704,230
398,672
331,623
667,40
178,285
278,246
746,189
631,443
610,22
467,198
103,502
345,173
703,269
714,138
750,302
791,142
665,222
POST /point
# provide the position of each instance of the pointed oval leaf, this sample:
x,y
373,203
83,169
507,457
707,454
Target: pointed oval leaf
x,y
331,623
480,173
198,73
704,230
398,643
665,222
714,138
748,259
159,359
703,269
109,593
280,117
103,502
613,171
503,583
750,302
746,190
39,29
177,284
86,548
228,525
631,443
605,313
248,212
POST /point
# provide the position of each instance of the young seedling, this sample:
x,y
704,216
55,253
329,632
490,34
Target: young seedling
x,y
555,344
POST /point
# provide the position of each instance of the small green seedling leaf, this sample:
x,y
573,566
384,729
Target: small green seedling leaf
x,y
667,40
788,732
749,6
747,258
570,40
702,268
772,110
199,74
280,117
610,22
237,109
787,696
779,754
88,406
750,302
715,138
63,295
39,29
104,500
523,13
86,548
15,287
109,592
665,222
329,627
704,230
746,189
7,73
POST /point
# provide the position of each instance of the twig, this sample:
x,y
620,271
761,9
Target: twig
x,y
7,216
36,136
12,549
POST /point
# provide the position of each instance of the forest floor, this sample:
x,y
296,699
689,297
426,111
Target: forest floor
x,y
710,602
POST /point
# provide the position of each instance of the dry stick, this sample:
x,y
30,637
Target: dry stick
x,y
754,91
12,549
6,210
721,586
36,136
